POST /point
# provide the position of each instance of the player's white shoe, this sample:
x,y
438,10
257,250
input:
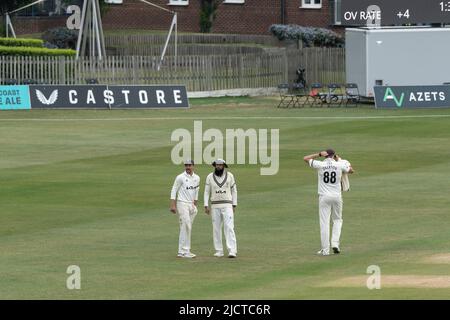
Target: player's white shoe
x,y
232,255
218,254
188,255
323,252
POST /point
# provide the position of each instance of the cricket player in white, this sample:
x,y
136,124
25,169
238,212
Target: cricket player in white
x,y
183,200
221,188
330,197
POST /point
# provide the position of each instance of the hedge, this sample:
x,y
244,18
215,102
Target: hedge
x,y
310,36
61,38
30,51
12,42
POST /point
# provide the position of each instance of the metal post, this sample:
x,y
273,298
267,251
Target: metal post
x,y
101,35
97,33
87,30
176,41
7,25
174,25
91,31
91,25
174,21
80,33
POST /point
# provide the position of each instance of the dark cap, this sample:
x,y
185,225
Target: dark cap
x,y
220,161
330,153
187,162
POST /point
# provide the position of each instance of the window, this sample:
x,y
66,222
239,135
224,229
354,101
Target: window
x,y
234,1
178,2
312,4
49,8
336,12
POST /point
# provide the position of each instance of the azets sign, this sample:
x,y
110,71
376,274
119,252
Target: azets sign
x,y
412,96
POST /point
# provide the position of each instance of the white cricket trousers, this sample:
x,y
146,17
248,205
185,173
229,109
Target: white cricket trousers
x,y
223,215
186,213
330,207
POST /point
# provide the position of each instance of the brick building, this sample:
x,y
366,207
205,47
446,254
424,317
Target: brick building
x,y
232,16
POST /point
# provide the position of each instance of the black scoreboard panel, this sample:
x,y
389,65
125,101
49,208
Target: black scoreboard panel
x,y
392,12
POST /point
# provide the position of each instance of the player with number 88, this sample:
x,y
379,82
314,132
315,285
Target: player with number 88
x,y
330,197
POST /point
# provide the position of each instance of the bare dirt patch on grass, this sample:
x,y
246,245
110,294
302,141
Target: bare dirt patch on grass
x,y
443,258
391,281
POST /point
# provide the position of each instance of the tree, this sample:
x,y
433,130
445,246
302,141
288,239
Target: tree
x,y
9,5
208,14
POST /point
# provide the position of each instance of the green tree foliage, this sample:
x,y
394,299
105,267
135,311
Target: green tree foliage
x,y
9,5
208,14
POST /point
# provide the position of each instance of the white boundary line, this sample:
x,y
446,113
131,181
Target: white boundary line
x,y
232,118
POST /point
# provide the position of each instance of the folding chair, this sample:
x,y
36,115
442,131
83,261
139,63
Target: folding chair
x,y
352,96
335,94
301,94
91,81
318,95
30,82
287,98
10,82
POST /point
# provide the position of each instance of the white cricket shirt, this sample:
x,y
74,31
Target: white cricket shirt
x,y
185,188
329,174
222,190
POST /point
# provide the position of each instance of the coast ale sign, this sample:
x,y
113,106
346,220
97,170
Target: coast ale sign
x,y
412,96
103,97
14,98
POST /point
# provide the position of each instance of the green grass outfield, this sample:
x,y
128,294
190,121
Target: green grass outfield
x,y
91,188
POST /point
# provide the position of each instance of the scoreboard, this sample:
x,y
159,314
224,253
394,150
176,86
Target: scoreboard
x,y
391,12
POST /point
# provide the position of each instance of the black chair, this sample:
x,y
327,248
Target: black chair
x,y
335,94
10,82
318,95
352,96
28,82
91,81
287,98
301,94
